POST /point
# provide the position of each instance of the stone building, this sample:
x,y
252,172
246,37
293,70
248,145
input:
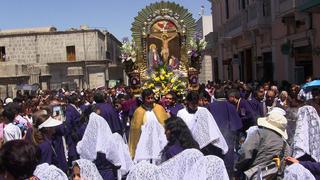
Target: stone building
x,y
240,42
204,27
51,59
265,39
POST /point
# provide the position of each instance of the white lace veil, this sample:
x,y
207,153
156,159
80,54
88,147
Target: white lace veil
x,y
297,172
176,167
306,138
205,129
119,153
143,170
88,171
208,168
49,172
99,138
152,139
95,138
173,169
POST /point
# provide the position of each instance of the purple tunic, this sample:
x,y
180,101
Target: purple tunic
x,y
111,116
72,122
246,114
171,151
257,108
46,149
225,115
104,167
229,123
173,110
313,167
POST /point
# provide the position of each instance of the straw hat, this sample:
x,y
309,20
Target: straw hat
x,y
276,122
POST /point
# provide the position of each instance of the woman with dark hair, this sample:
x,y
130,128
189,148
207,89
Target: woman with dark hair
x,y
179,138
18,160
43,131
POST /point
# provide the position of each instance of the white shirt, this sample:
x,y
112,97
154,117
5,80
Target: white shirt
x,y
11,132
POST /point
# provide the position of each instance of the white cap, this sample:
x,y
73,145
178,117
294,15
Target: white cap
x,y
8,100
50,122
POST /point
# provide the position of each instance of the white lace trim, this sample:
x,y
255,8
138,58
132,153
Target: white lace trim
x,y
189,164
49,172
99,138
152,139
297,172
307,134
88,170
208,168
204,128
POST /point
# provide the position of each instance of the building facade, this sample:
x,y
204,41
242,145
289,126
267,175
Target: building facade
x,y
264,39
51,59
204,27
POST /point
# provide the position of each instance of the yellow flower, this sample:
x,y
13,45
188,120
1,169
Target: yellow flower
x,y
161,77
167,75
172,80
151,85
157,79
170,73
175,88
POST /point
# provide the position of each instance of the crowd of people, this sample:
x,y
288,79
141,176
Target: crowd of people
x,y
256,130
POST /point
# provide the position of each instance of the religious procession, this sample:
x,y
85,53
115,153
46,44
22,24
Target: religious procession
x,y
163,124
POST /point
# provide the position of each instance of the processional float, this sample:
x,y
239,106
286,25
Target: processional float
x,y
165,52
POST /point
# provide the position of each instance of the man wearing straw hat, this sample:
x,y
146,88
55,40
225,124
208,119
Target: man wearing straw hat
x,y
264,144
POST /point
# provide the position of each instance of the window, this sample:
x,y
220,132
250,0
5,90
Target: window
x,y
244,4
71,53
227,8
2,53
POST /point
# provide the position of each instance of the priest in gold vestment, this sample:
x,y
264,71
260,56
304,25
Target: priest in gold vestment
x,y
148,111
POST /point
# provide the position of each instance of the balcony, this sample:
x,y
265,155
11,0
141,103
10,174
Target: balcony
x,y
286,7
308,5
235,25
257,15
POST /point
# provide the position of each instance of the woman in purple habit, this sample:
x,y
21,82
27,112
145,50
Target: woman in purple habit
x,y
179,138
43,130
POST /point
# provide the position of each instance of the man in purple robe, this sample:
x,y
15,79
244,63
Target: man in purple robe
x,y
229,123
258,107
242,107
108,113
171,105
72,122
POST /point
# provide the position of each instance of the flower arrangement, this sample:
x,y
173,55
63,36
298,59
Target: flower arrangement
x,y
163,79
196,47
128,55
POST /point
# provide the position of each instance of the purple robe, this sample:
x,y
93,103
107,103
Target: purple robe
x,y
171,151
257,108
225,115
111,116
46,150
313,167
49,155
246,114
59,148
173,110
104,167
229,122
72,122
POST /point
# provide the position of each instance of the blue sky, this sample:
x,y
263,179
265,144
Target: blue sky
x,y
114,15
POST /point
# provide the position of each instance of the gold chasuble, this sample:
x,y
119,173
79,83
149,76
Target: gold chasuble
x,y
138,120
